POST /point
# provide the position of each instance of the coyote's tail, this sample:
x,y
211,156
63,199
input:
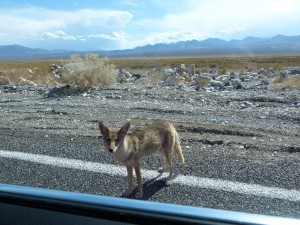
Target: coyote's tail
x,y
178,150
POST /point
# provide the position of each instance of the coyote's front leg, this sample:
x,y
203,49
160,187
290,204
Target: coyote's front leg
x,y
139,194
128,192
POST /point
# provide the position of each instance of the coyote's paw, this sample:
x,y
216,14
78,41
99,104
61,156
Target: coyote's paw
x,y
126,193
169,182
139,194
161,169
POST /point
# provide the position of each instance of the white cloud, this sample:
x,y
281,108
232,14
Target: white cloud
x,y
130,3
116,36
59,34
99,18
231,30
3,34
228,19
34,24
170,37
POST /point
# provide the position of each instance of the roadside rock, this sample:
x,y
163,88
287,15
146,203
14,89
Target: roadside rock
x,y
180,69
124,77
191,70
62,91
174,80
169,72
283,75
216,84
198,78
295,71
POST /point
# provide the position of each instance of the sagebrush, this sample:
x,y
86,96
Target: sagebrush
x,y
91,71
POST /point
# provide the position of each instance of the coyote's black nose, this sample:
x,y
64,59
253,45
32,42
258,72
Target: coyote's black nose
x,y
110,150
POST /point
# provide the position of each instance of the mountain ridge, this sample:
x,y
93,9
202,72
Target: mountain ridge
x,y
250,45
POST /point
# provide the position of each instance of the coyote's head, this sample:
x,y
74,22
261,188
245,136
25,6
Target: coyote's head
x,y
113,138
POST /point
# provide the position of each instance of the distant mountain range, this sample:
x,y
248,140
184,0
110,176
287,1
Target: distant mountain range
x,y
210,47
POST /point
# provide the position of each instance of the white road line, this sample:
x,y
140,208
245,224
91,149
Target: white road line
x,y
208,183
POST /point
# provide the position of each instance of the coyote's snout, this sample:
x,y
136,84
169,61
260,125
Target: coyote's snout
x,y
130,148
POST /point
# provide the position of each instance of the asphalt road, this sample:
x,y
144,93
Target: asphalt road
x,y
54,143
81,179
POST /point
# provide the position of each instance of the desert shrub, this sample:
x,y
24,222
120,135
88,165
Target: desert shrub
x,y
90,71
279,67
292,82
4,80
277,78
222,71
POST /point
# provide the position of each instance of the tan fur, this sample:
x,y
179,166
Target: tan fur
x,y
130,148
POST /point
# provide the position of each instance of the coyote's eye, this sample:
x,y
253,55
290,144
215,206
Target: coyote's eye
x,y
108,139
117,140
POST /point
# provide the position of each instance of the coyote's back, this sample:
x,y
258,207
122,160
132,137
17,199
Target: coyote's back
x,y
160,137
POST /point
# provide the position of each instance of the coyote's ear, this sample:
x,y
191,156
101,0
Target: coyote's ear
x,y
103,129
124,130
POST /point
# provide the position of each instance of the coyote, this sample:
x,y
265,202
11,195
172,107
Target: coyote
x,y
130,148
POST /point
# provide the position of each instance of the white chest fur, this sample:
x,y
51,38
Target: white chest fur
x,y
122,154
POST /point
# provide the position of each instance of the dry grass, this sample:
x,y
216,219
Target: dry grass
x,y
34,71
37,72
226,63
293,82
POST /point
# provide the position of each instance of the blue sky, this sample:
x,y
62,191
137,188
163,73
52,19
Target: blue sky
x,y
122,24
